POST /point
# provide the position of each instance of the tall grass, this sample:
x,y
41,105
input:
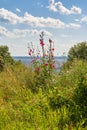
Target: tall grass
x,y
52,109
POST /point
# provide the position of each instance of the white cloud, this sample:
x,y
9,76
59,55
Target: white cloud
x,y
73,25
32,32
18,10
24,32
48,34
5,32
43,22
59,7
52,5
19,33
9,17
75,10
84,19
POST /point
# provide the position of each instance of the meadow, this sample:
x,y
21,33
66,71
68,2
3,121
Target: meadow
x,y
30,100
56,107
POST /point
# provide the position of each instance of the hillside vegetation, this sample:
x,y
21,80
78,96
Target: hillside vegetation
x,y
29,101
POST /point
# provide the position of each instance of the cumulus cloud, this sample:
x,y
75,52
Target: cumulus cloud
x,y
47,22
59,7
18,33
84,19
43,22
5,32
9,17
32,32
47,33
75,10
73,25
24,32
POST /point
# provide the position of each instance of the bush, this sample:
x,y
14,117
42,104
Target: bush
x,y
5,56
79,51
1,64
70,91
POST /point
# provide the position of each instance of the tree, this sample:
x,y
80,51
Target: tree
x,y
5,57
1,64
79,51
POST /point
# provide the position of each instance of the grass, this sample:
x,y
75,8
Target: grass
x,y
21,109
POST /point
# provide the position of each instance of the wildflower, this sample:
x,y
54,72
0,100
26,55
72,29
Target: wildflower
x,y
43,60
46,64
30,50
53,66
29,53
52,49
37,69
41,42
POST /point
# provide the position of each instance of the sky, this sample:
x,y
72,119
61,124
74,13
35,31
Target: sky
x,y
22,21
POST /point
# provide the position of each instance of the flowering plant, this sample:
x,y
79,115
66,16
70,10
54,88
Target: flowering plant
x,y
43,62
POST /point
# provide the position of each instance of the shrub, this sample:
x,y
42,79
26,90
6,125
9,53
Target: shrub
x,y
1,64
5,57
79,51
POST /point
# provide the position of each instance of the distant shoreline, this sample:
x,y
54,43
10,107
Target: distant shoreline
x,y
56,57
26,60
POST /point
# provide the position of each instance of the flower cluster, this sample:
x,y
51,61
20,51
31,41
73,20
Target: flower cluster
x,y
43,61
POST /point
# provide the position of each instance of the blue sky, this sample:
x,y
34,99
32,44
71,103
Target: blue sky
x,y
21,21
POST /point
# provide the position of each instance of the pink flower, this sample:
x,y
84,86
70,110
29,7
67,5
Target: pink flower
x,y
29,53
53,66
38,69
41,42
52,49
46,64
30,50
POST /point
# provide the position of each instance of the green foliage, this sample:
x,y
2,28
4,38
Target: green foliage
x,y
80,94
70,92
79,51
62,106
5,57
43,64
1,64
